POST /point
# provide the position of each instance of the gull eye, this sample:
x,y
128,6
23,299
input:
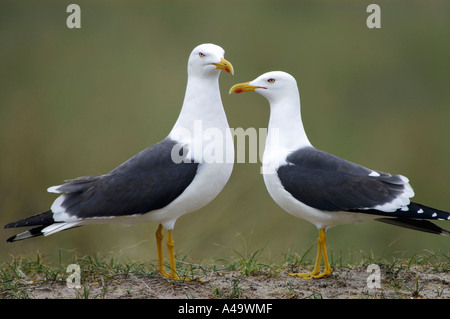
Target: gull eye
x,y
201,54
271,80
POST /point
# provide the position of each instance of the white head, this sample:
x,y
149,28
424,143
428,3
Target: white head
x,y
208,59
280,89
275,86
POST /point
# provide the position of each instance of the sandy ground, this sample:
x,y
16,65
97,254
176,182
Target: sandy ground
x,y
342,284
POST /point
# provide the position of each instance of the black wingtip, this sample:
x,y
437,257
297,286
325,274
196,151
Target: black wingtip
x,y
45,218
11,225
416,224
413,211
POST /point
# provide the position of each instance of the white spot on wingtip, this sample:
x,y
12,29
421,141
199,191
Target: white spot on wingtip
x,y
420,211
434,215
374,174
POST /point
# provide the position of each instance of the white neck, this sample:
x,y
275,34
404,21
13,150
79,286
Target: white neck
x,y
285,131
202,102
202,124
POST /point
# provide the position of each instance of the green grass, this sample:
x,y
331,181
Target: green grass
x,y
22,271
98,273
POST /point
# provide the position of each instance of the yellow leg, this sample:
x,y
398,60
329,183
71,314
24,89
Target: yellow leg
x,y
170,245
327,268
159,239
321,250
173,267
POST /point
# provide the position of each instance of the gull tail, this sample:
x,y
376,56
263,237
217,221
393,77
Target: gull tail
x,y
46,226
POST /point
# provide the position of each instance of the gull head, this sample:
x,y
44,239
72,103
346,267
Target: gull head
x,y
275,86
208,59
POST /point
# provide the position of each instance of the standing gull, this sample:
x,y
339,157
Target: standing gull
x,y
163,182
320,187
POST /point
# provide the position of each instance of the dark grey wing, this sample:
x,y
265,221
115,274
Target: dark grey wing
x,y
327,182
148,181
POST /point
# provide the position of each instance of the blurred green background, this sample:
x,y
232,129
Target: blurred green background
x,y
76,102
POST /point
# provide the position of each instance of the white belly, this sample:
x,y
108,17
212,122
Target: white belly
x,y
207,184
322,219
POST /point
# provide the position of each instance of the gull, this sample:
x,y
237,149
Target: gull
x,y
160,184
323,188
